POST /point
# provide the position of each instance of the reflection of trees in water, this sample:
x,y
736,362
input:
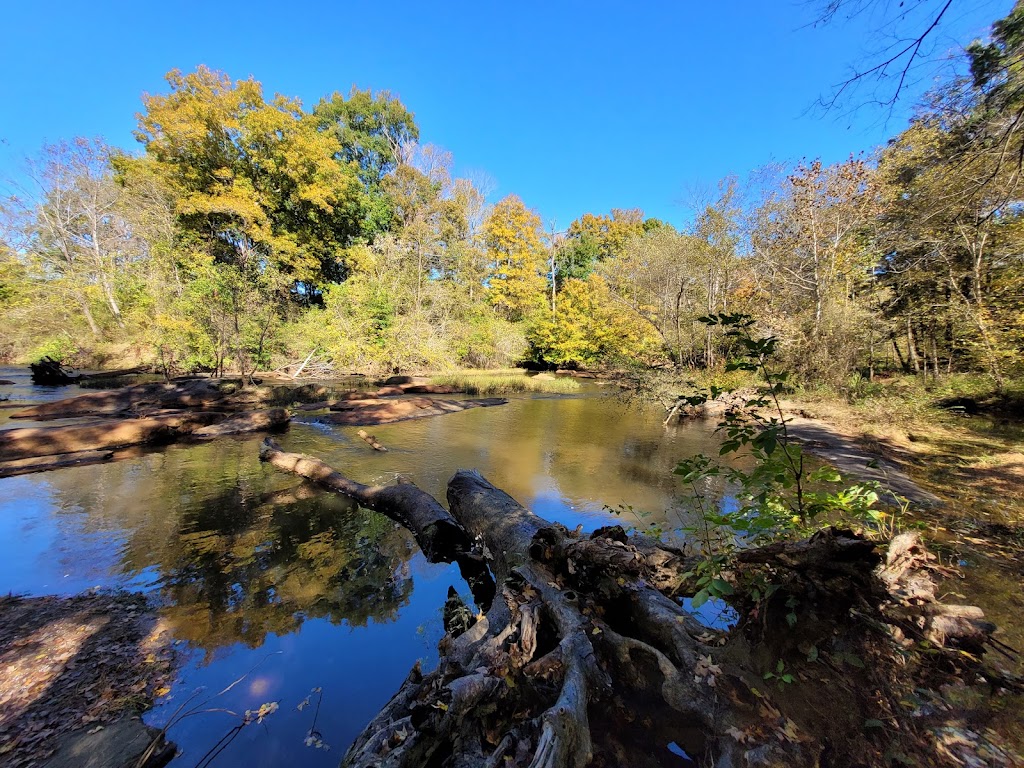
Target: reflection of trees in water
x,y
241,569
233,558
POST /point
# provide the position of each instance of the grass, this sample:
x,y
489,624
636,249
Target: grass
x,y
506,381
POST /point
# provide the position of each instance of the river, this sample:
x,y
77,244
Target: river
x,y
287,589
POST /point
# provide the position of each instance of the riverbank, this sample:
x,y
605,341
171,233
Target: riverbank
x,y
72,667
966,451
957,441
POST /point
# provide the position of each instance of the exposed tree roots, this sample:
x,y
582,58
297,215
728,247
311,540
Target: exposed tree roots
x,y
587,655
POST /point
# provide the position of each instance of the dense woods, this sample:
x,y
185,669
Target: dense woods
x,y
251,231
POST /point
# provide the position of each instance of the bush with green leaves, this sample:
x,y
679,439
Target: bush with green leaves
x,y
778,494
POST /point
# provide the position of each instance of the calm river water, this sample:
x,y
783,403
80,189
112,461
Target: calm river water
x,y
263,577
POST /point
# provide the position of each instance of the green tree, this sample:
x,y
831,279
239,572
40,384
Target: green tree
x,y
255,182
373,130
593,238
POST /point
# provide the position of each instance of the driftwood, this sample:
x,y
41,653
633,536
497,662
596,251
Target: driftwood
x,y
50,372
371,440
587,656
439,535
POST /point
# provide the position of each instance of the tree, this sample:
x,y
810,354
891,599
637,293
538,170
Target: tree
x,y
813,259
594,238
255,182
671,279
371,128
514,238
717,226
70,224
373,131
901,40
589,328
952,248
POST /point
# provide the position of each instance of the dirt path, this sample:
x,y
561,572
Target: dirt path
x,y
841,451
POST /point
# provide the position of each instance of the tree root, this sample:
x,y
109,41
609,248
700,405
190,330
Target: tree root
x,y
587,657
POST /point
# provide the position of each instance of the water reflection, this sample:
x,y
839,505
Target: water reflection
x,y
247,563
236,578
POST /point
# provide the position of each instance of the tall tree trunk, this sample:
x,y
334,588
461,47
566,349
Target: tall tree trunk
x,y
912,348
904,365
83,303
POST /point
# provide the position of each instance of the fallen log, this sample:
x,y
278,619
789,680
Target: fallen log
x,y
587,655
46,463
114,374
361,414
439,535
50,373
371,441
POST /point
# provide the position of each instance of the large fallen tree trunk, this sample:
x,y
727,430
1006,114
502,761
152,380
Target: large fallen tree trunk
x,y
587,655
49,372
439,535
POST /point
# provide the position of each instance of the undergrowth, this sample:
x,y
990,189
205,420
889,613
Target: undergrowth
x,y
507,381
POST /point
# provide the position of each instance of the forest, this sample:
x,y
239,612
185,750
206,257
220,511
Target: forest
x,y
251,231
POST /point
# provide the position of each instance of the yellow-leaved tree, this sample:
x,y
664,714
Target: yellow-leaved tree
x,y
515,283
591,328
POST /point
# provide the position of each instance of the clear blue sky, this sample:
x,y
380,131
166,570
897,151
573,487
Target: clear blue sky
x,y
574,105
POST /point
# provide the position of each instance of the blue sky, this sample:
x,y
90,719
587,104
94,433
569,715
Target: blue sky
x,y
574,106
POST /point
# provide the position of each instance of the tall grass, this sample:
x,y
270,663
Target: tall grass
x,y
506,381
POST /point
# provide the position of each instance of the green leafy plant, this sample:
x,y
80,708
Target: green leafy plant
x,y
778,495
781,677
